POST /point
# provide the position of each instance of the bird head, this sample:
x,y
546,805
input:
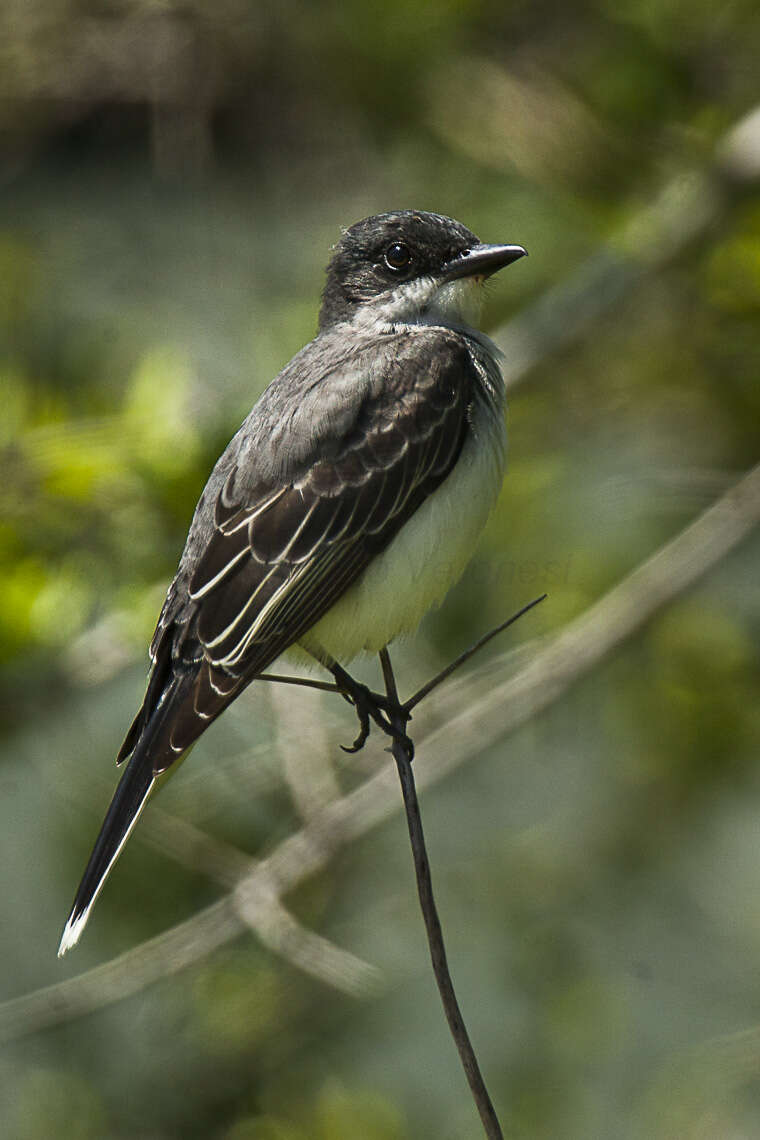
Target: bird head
x,y
409,266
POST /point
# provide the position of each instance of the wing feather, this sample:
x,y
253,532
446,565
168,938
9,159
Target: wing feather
x,y
275,553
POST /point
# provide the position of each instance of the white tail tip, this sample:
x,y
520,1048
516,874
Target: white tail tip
x,y
72,931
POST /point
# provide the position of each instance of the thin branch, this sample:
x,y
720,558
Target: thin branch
x,y
468,653
403,755
305,682
482,719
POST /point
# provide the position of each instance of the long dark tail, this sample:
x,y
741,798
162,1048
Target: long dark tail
x,y
128,801
178,707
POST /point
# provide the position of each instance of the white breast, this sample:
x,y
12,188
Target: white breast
x,y
428,554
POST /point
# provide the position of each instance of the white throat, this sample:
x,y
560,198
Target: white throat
x,y
425,301
457,303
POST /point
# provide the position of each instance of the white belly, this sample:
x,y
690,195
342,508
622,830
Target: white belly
x,y
425,558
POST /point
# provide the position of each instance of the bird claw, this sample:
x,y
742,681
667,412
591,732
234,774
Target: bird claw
x,y
388,713
366,704
407,744
361,739
371,706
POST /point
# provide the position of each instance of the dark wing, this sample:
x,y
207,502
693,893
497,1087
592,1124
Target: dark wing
x,y
278,558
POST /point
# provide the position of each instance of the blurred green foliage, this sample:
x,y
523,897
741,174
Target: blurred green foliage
x,y
171,179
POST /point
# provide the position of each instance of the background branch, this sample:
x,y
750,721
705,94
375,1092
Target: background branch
x,y
688,206
477,720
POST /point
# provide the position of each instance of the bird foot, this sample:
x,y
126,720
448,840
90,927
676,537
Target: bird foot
x,y
388,715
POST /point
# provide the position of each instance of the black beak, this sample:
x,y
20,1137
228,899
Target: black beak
x,y
482,261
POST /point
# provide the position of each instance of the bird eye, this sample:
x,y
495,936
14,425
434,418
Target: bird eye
x,y
397,256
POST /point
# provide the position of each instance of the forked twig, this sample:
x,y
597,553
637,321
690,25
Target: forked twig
x,y
332,687
403,755
392,715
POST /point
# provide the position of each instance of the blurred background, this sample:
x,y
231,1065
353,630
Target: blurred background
x,y
172,177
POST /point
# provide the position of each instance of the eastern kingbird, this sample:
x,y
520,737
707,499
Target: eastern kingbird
x,y
347,504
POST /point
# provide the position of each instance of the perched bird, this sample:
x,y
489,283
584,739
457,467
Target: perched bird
x,y
346,505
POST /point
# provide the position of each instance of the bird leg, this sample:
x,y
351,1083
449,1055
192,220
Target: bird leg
x,y
389,715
